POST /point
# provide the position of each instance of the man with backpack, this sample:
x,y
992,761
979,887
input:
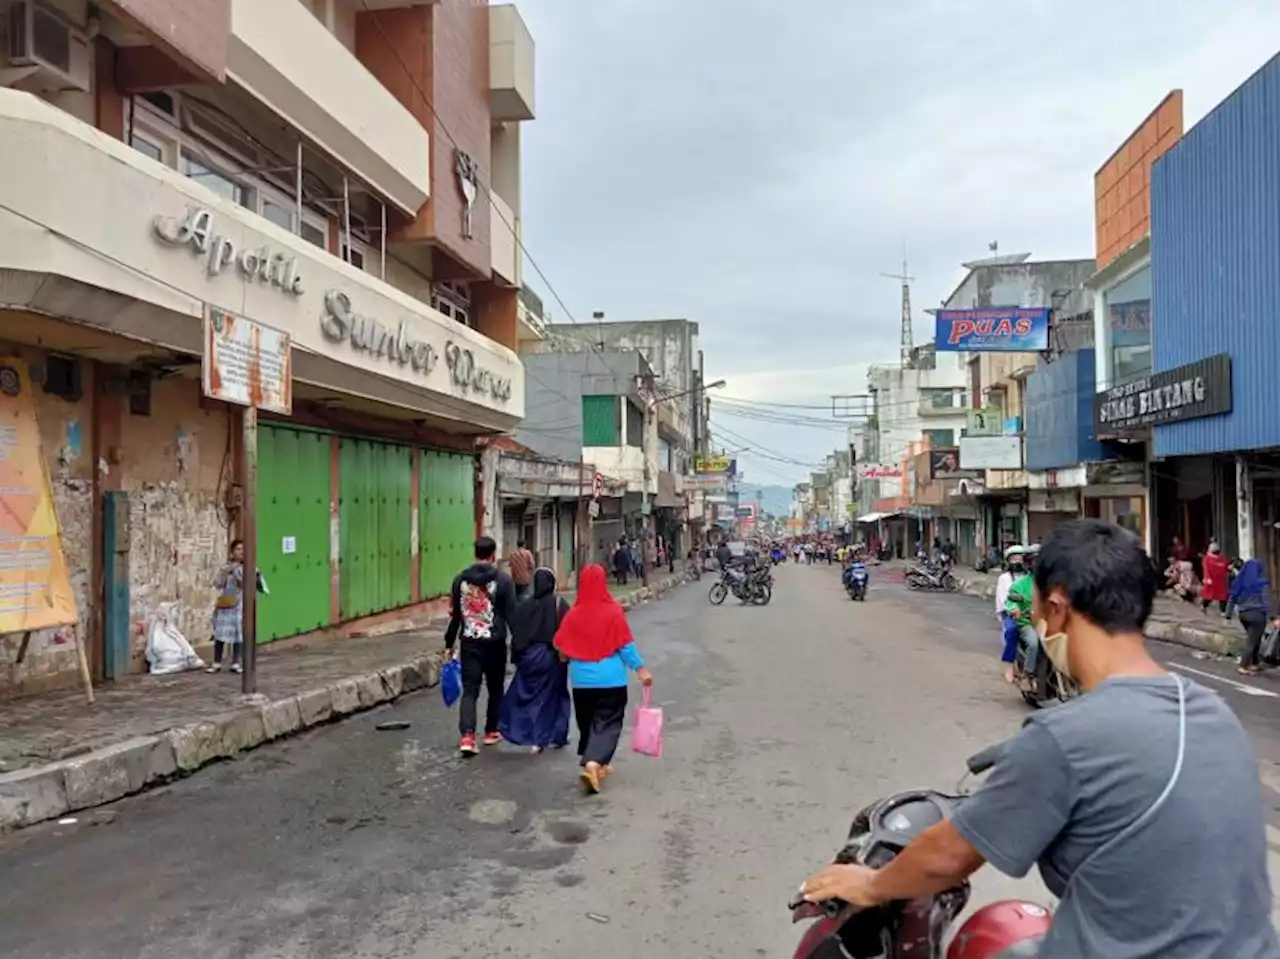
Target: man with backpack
x,y
482,601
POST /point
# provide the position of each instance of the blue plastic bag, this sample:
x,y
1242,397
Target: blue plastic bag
x,y
451,682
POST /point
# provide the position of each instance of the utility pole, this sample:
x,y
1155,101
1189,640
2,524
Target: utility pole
x,y
906,280
249,533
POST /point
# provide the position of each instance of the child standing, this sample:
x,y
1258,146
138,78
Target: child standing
x,y
228,616
596,641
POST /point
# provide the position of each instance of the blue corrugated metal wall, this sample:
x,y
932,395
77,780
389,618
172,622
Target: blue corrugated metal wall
x,y
1215,264
1059,403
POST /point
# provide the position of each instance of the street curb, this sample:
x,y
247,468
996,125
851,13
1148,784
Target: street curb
x,y
1208,640
29,796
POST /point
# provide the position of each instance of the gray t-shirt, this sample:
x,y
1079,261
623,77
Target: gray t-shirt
x,y
1191,882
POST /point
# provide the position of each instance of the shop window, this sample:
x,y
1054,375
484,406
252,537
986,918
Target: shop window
x,y
139,386
600,422
164,102
635,426
356,255
1129,326
315,235
62,378
147,148
453,300
219,183
280,215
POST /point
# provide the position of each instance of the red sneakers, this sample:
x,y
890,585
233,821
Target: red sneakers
x,y
492,739
467,745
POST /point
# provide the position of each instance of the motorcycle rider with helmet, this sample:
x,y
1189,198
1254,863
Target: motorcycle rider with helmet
x,y
1018,603
1139,801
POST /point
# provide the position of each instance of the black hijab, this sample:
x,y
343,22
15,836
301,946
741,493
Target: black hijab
x,y
538,615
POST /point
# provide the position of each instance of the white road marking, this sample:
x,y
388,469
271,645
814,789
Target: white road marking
x,y
1234,684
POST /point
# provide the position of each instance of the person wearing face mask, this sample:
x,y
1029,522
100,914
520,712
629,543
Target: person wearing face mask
x,y
1126,798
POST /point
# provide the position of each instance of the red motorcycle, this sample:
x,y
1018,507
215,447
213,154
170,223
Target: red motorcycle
x,y
1009,929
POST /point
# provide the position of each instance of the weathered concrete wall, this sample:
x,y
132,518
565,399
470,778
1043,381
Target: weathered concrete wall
x,y
669,346
175,462
556,382
64,439
1055,283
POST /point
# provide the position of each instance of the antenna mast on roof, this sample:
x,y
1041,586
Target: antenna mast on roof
x,y
905,278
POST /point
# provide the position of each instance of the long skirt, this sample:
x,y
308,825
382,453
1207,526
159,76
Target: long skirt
x,y
536,707
600,714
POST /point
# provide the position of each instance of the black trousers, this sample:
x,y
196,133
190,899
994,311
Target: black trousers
x,y
600,714
484,662
1254,622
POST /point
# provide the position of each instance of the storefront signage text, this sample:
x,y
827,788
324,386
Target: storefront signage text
x,y
1011,329
1188,392
262,264
880,471
339,323
713,464
469,375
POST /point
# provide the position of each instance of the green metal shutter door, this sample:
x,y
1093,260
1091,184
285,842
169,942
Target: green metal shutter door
x,y
374,518
600,421
353,522
293,510
446,519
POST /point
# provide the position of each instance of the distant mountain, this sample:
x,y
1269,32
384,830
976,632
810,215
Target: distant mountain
x,y
775,499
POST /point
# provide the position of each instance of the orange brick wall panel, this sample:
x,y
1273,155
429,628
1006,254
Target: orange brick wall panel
x,y
1122,200
461,73
195,32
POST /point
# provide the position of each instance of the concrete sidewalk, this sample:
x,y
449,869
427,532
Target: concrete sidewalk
x,y
58,754
1172,620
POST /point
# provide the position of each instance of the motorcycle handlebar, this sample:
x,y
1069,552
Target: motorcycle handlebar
x,y
980,762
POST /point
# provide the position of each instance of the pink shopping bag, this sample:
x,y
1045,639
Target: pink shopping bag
x,y
646,735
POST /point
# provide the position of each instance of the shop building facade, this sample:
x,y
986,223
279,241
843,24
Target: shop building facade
x,y
129,213
1211,398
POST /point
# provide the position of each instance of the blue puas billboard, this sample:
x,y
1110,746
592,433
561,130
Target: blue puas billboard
x,y
1011,329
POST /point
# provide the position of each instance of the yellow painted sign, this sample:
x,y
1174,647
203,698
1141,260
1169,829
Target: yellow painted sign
x,y
712,464
35,590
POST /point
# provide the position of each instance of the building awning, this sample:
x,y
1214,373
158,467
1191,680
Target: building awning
x,y
876,517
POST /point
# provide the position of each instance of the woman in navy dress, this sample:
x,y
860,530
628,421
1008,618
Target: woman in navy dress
x,y
536,707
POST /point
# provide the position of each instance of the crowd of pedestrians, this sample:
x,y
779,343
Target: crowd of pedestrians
x,y
569,660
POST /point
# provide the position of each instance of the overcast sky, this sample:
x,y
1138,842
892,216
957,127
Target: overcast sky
x,y
754,165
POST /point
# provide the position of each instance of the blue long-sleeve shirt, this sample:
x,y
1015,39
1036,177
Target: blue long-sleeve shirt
x,y
608,673
1254,600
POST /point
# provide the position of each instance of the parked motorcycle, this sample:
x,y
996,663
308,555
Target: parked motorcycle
x,y
1047,685
932,576
855,580
916,929
755,587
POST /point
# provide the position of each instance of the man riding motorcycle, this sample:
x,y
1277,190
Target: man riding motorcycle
x,y
1018,604
1127,797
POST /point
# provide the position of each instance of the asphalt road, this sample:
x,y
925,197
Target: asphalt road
x,y
348,842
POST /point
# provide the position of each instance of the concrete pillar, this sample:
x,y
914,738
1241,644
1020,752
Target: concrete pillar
x,y
491,501
1244,507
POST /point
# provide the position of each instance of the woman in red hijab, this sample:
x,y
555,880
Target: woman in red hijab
x,y
596,641
1217,579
